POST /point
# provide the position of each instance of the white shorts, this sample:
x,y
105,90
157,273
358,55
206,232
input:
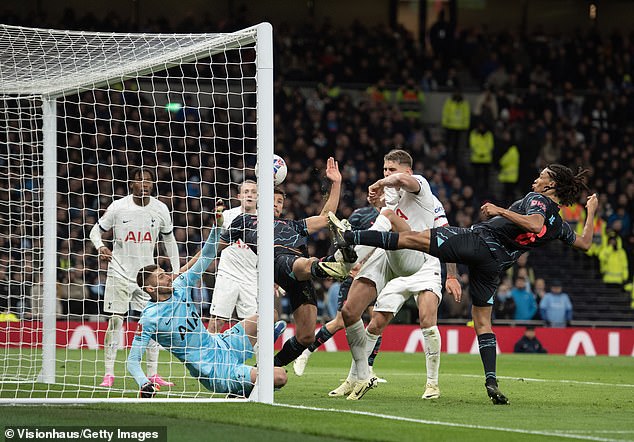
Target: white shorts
x,y
398,290
122,295
381,269
230,294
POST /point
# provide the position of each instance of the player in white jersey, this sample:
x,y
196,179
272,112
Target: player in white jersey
x,y
425,285
136,222
413,202
236,277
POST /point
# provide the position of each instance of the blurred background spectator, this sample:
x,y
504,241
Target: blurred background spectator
x,y
352,89
555,307
529,343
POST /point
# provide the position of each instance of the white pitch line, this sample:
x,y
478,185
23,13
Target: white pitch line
x,y
562,381
452,424
606,431
513,378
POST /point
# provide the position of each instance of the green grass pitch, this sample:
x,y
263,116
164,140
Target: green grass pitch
x,y
552,398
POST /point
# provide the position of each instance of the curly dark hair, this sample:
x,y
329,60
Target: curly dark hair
x,y
568,184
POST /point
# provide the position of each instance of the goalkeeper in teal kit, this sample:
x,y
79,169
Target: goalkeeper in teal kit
x,y
217,361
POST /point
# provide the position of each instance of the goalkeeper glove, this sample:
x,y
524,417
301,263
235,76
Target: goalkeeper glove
x,y
149,390
220,206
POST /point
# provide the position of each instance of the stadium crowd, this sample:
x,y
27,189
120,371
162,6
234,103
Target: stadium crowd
x,y
354,94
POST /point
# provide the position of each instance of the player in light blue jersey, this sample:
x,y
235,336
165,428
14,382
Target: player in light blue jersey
x,y
170,318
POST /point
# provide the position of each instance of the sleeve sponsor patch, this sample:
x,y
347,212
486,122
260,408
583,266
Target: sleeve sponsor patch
x,y
539,204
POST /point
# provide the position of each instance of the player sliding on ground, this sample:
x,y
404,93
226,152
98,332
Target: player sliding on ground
x,y
492,246
170,318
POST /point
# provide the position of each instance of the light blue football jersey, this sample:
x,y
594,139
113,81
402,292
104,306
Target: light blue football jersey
x,y
176,326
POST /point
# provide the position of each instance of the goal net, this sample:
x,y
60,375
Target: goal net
x,y
79,111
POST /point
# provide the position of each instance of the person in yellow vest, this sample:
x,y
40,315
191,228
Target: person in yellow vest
x,y
378,92
509,169
481,144
613,261
456,118
410,99
329,87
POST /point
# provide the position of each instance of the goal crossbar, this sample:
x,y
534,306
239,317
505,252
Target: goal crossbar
x,y
99,68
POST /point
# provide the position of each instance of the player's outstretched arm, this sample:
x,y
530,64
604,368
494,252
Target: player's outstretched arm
x,y
403,181
203,259
584,241
531,223
139,344
315,223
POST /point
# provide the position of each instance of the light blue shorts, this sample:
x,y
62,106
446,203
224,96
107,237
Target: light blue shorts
x,y
230,374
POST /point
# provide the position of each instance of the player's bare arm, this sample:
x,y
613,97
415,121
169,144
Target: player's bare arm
x,y
397,180
315,223
584,241
452,285
531,223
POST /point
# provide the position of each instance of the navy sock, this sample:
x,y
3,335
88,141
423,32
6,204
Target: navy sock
x,y
487,345
375,351
384,240
322,336
289,352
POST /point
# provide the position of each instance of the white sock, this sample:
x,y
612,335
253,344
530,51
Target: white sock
x,y
370,342
352,374
152,355
111,342
431,341
356,340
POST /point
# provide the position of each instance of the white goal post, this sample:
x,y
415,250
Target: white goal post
x,y
197,108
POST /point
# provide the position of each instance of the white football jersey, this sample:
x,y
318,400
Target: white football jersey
x,y
417,209
135,230
440,217
237,260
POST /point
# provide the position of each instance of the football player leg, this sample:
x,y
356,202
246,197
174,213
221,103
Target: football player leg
x,y
487,345
362,292
116,302
242,338
374,330
428,310
304,306
324,334
111,344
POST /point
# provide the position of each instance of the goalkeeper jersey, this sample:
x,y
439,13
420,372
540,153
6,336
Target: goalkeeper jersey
x,y
177,326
